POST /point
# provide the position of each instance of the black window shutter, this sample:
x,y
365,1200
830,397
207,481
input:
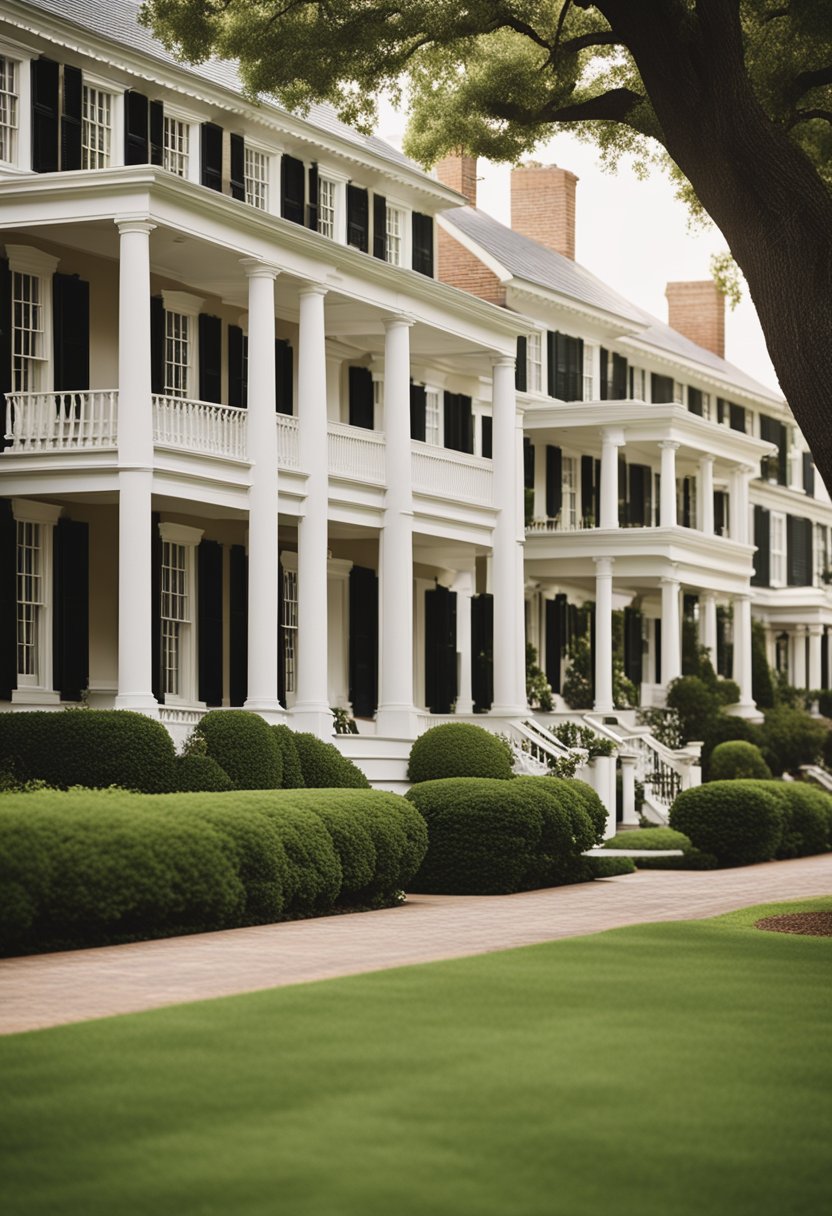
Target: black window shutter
x,y
70,624
135,128
283,376
633,645
157,344
808,474
211,156
661,388
363,648
440,650
720,410
292,201
520,365
736,417
8,601
156,608
157,133
575,356
561,367
694,400
361,397
71,118
720,511
357,217
238,625
554,480
623,502
587,487
620,376
209,609
782,454
596,491
45,77
210,361
237,387
551,363
605,386
312,204
762,539
237,147
528,463
418,396
379,226
487,443
482,652
459,423
799,547
450,415
71,332
422,230
657,649
640,478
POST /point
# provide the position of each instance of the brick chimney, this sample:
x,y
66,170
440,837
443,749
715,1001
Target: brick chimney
x,y
460,173
543,205
697,310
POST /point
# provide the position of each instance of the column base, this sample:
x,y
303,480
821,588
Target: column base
x,y
510,711
744,709
139,702
315,719
397,721
603,707
272,711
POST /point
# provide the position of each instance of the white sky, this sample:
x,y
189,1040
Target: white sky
x,y
633,234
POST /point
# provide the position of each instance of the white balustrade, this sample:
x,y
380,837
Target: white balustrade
x,y
287,442
450,474
199,426
62,421
356,453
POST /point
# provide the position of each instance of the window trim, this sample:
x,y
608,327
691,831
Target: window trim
x,y
188,538
187,305
534,367
781,554
40,689
105,89
194,124
25,259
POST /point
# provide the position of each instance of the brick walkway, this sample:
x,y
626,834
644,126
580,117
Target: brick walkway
x,y
51,989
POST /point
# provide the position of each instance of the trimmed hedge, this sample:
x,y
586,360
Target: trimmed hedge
x,y
196,773
95,748
458,749
323,766
807,817
790,737
588,799
245,746
610,867
739,822
737,761
292,771
663,838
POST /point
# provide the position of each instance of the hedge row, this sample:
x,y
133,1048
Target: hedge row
x,y
89,867
744,822
489,836
654,839
458,749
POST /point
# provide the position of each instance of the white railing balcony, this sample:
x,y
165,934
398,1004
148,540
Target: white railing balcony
x,y
199,426
356,453
288,452
557,524
62,421
450,474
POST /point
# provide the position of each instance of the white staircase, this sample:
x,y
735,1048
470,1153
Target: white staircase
x,y
817,775
382,761
664,771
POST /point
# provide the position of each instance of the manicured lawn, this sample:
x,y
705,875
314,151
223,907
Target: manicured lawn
x,y
670,1069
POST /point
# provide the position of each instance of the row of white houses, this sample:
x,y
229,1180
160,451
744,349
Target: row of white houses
x,y
290,426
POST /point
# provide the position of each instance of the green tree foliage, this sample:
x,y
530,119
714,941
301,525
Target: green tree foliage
x,y
762,686
734,98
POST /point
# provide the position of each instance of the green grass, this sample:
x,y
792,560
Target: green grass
x,y
662,1070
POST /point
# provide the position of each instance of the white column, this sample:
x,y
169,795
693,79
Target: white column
x,y
463,585
629,815
738,505
396,713
671,637
507,583
707,624
520,563
799,657
815,646
667,499
603,635
742,649
135,477
311,709
611,441
706,495
263,590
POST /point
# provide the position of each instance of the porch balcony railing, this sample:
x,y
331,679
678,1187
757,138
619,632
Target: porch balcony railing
x,y
61,421
450,474
288,456
199,426
356,453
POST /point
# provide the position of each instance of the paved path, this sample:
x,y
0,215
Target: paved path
x,y
51,989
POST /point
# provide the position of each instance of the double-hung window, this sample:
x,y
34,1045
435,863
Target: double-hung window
x,y
175,614
534,363
394,236
9,101
178,354
326,207
589,372
96,128
569,495
777,542
433,420
290,628
28,332
257,178
176,145
30,600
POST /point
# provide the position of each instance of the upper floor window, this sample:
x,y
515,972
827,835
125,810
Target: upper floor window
x,y
569,494
534,363
326,207
96,128
8,109
27,332
257,179
177,354
176,143
433,420
777,551
290,627
394,236
589,372
638,388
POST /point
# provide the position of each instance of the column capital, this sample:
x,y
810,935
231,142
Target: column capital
x,y
255,269
670,445
707,458
815,631
739,596
708,596
133,223
604,565
312,289
743,470
670,580
613,435
503,361
397,320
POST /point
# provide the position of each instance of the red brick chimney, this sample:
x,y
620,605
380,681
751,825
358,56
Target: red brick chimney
x,y
460,173
697,310
543,205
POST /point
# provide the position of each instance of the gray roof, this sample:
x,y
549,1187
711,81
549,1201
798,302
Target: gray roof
x,y
118,22
532,262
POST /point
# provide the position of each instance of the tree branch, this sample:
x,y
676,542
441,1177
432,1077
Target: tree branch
x,y
602,38
804,116
804,81
614,106
506,20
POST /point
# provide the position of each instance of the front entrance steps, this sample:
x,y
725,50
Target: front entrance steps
x,y
383,761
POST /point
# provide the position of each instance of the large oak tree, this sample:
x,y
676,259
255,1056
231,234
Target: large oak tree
x,y
736,95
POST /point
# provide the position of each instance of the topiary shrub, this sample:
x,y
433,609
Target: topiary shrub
x,y
567,830
725,729
589,800
195,773
696,703
245,746
609,867
656,839
807,813
292,771
739,822
790,737
323,766
458,749
736,761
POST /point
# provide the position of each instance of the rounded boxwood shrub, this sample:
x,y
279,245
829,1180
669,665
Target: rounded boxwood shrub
x,y
790,737
292,771
739,822
245,746
589,800
195,773
567,829
323,766
95,748
458,749
807,813
738,760
610,867
656,839
315,874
